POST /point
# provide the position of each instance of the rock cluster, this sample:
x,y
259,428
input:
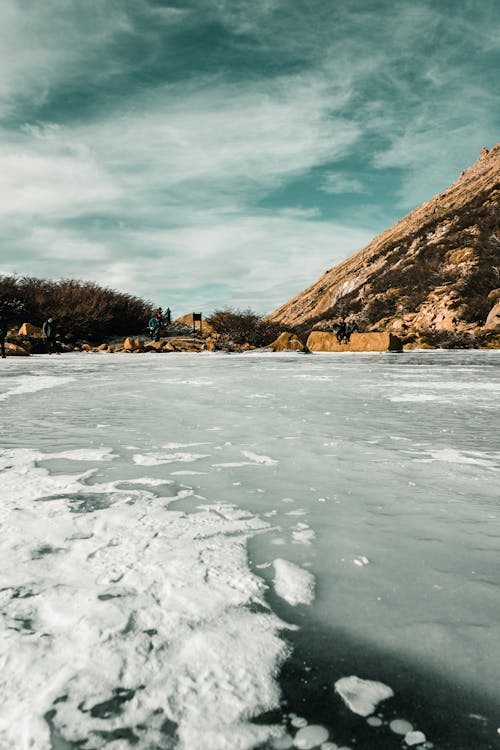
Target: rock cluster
x,y
435,275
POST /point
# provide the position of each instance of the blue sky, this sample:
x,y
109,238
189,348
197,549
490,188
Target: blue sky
x,y
221,152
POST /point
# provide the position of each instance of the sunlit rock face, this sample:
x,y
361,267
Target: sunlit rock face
x,y
321,341
287,342
434,269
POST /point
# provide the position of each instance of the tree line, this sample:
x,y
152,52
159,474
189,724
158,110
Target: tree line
x,y
82,309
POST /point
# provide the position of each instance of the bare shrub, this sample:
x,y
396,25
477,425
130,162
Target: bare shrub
x,y
244,326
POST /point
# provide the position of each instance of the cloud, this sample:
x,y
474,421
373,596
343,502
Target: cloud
x,y
337,183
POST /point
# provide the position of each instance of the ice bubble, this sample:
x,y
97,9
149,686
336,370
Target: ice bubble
x,y
298,722
415,738
363,696
282,743
310,736
400,726
374,721
292,583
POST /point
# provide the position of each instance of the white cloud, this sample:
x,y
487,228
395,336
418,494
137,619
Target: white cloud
x,y
337,183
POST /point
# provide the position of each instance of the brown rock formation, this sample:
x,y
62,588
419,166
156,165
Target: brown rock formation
x,y
287,342
434,270
322,341
27,329
13,350
493,319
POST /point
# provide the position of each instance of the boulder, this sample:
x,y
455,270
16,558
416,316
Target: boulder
x,y
493,319
28,329
13,350
85,348
102,348
154,346
287,342
133,344
321,341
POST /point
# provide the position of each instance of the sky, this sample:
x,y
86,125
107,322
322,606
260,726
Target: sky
x,y
213,153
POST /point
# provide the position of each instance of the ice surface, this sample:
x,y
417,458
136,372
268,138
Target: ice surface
x,y
362,696
108,588
24,384
156,459
294,584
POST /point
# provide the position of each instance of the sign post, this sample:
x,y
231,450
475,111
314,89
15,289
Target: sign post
x,y
197,318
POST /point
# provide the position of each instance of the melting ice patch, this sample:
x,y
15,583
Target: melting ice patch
x,y
134,625
362,696
292,583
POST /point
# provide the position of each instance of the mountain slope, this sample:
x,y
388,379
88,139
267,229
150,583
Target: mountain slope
x,y
438,269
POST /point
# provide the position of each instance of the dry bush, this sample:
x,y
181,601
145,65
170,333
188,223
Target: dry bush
x,y
244,326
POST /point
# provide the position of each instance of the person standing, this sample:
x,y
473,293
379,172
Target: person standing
x,y
3,333
168,316
154,328
49,335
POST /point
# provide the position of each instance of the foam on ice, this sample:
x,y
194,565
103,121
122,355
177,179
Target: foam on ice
x,y
292,583
129,618
362,696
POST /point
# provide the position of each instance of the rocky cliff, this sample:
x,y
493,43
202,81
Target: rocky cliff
x,y
435,275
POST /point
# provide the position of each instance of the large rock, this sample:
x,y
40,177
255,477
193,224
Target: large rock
x,y
28,329
322,341
133,344
493,319
154,346
287,342
13,350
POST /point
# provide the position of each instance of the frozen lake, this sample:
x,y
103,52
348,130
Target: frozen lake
x,y
196,548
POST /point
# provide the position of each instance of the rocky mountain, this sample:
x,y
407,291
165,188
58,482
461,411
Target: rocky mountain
x,y
433,277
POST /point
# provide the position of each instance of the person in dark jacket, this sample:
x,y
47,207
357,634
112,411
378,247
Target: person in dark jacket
x,y
351,327
49,335
341,332
3,333
168,316
154,328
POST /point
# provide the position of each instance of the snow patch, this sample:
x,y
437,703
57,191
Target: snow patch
x,y
362,696
137,617
292,583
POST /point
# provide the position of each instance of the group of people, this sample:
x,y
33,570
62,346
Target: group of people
x,y
344,329
156,322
